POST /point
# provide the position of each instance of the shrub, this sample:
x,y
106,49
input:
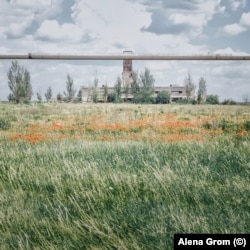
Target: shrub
x,y
193,101
228,102
182,101
225,125
247,125
4,124
212,99
207,125
143,96
163,97
111,97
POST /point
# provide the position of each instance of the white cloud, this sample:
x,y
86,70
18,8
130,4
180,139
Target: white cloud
x,y
50,29
96,28
192,20
18,15
18,29
111,21
30,4
202,12
228,51
42,8
245,19
106,28
233,29
236,4
13,20
237,28
211,8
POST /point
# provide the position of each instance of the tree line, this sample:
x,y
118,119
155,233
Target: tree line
x,y
19,82
141,88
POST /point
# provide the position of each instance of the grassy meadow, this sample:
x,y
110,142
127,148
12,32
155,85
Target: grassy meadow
x,y
121,176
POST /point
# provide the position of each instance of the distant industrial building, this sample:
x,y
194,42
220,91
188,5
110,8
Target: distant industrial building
x,y
127,70
176,92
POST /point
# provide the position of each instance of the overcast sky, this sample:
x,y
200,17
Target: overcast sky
x,y
143,26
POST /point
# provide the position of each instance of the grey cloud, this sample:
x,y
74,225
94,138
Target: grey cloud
x,y
87,38
176,4
65,15
32,28
161,25
181,4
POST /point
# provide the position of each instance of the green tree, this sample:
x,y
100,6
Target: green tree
x,y
39,97
19,83
105,92
202,91
147,81
11,98
143,96
189,87
212,99
118,89
111,97
228,102
79,96
48,94
145,88
94,91
135,84
163,97
70,90
126,91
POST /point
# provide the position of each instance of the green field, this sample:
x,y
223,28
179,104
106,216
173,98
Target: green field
x,y
68,188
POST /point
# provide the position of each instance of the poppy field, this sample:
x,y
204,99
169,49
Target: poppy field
x,y
58,122
121,176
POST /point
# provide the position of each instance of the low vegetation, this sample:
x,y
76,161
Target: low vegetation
x,y
121,176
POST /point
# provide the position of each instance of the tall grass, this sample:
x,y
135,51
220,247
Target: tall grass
x,y
121,195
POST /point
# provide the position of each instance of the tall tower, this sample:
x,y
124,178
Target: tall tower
x,y
127,70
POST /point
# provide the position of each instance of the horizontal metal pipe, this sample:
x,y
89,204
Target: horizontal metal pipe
x,y
122,57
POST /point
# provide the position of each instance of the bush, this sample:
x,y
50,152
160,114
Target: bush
x,y
193,101
228,102
143,96
111,97
182,101
247,125
163,97
118,99
212,99
225,125
4,124
207,125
